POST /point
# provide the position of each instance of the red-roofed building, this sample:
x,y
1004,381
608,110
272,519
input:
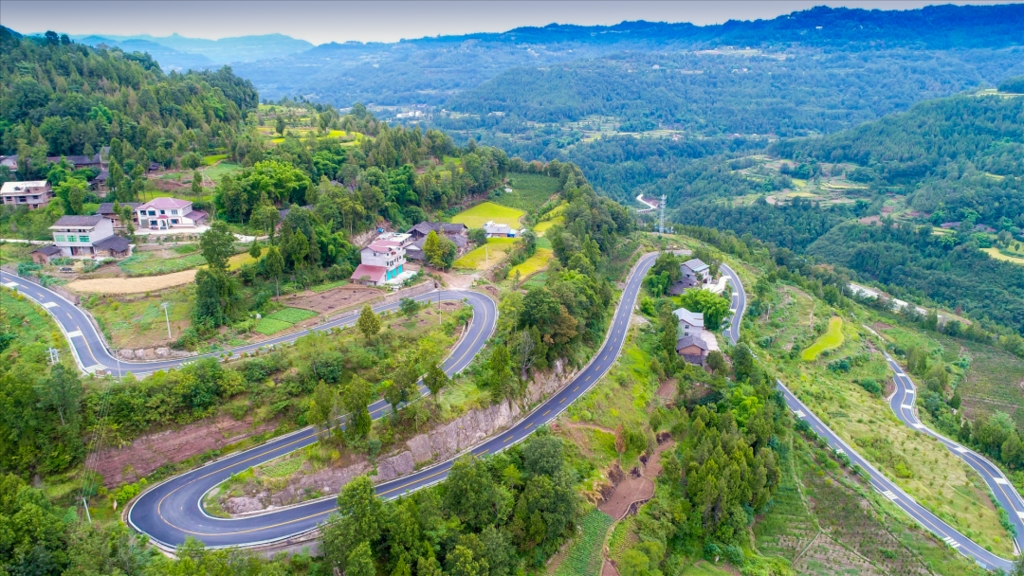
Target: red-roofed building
x,y
382,260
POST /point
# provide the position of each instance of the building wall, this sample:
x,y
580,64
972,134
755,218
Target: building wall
x,y
70,237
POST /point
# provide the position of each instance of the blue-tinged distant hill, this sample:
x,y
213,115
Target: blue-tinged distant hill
x,y
176,52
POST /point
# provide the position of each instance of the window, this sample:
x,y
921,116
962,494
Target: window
x,y
163,212
152,213
174,212
174,220
58,237
84,239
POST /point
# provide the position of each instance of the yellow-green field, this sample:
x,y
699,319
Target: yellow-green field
x,y
539,261
995,253
484,212
832,338
487,255
542,227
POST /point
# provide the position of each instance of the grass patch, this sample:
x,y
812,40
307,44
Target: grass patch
x,y
484,212
584,556
529,192
327,286
543,227
213,159
704,568
138,321
487,255
268,326
1003,255
539,261
830,340
155,264
292,315
220,170
186,249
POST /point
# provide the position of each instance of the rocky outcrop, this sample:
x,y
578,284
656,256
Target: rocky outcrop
x,y
152,353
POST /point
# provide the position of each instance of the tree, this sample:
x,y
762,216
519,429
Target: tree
x,y
274,265
265,216
439,251
714,306
360,562
478,236
368,323
436,380
62,391
255,250
716,362
409,307
217,245
216,297
197,183
279,125
742,362
499,378
356,398
72,193
322,407
360,521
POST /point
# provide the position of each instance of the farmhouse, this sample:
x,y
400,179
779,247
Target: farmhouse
x,y
382,260
690,323
44,254
32,193
693,349
457,233
168,214
695,272
88,236
107,211
499,230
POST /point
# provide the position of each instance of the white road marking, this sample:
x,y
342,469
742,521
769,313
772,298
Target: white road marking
x,y
918,425
1002,481
961,449
49,304
951,542
75,333
1020,515
889,494
799,413
840,451
11,284
907,406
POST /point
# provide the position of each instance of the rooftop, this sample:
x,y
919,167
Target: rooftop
x,y
686,341
374,273
108,207
115,243
696,264
691,318
66,221
165,203
17,187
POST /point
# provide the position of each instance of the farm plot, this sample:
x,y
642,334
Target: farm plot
x,y
487,255
484,212
584,555
830,340
337,298
133,285
529,192
539,261
282,320
543,227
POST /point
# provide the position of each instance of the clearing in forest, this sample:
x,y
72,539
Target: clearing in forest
x,y
484,212
831,339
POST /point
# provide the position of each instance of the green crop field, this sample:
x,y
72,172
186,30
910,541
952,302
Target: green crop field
x,y
267,326
222,169
213,159
487,255
292,315
480,214
154,263
584,556
543,227
832,338
539,261
529,192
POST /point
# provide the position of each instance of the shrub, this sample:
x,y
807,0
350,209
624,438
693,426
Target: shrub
x,y
871,386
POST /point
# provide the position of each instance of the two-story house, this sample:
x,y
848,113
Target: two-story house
x,y
88,236
168,214
107,211
457,233
690,323
382,260
32,193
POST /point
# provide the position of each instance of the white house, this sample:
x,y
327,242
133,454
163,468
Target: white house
x,y
695,271
88,236
32,193
382,260
499,230
690,323
169,213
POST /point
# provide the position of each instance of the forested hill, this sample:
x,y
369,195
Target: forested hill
x,y
432,70
62,98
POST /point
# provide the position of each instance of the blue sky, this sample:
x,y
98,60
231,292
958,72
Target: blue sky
x,y
380,21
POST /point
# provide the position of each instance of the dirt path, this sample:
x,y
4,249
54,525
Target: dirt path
x,y
635,489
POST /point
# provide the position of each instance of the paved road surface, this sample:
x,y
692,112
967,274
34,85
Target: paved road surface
x,y
171,511
91,352
739,303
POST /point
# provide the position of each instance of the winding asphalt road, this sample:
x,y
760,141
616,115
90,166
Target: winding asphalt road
x,y
172,510
91,352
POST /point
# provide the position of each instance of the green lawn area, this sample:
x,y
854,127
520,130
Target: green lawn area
x,y
1004,255
282,320
213,159
529,192
539,261
704,568
543,227
832,338
327,286
487,255
484,212
154,263
584,556
222,169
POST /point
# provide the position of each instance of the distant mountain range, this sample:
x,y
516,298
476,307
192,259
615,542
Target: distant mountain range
x,y
180,53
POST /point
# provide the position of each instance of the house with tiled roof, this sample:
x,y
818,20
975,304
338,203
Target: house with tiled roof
x,y
88,236
382,260
169,213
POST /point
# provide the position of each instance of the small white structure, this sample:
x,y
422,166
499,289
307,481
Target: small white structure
x,y
88,236
31,193
499,230
695,271
382,260
168,213
690,323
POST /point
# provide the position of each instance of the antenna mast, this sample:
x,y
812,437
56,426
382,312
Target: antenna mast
x,y
661,223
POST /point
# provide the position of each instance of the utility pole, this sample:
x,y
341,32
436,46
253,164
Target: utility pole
x,y
438,288
86,504
54,356
661,223
167,317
